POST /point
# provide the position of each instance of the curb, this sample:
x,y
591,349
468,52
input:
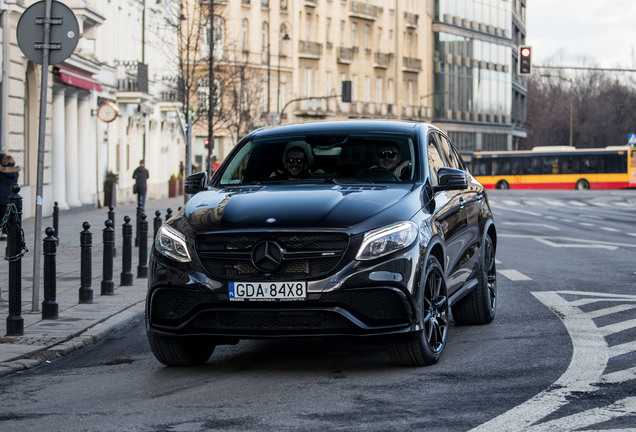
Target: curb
x,y
79,340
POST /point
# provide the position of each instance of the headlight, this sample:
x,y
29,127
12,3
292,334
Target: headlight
x,y
172,243
386,240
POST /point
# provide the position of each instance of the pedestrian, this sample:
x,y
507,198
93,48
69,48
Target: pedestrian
x,y
141,185
8,176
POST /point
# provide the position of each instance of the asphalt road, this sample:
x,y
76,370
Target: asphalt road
x,y
560,355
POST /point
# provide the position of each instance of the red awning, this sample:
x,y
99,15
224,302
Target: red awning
x,y
78,79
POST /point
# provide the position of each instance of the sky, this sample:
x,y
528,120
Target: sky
x,y
599,33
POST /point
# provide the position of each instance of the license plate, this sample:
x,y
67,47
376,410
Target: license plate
x,y
267,291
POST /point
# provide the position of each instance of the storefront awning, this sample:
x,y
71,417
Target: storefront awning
x,y
78,79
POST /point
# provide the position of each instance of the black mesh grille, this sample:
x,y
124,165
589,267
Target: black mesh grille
x,y
306,255
379,305
269,321
170,304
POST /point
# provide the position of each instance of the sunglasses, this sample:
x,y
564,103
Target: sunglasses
x,y
297,160
387,155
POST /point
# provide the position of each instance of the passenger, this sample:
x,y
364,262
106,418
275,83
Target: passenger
x,y
389,158
297,158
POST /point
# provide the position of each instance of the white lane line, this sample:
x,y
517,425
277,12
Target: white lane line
x,y
577,204
531,225
610,229
619,376
514,275
588,418
611,310
589,359
587,224
579,245
631,234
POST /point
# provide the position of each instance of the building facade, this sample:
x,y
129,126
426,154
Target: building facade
x,y
450,62
120,58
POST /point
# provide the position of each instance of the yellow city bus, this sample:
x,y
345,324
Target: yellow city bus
x,y
557,167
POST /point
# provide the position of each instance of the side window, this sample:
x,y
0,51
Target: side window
x,y
235,171
435,161
449,155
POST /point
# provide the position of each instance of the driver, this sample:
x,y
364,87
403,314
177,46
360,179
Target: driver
x,y
388,157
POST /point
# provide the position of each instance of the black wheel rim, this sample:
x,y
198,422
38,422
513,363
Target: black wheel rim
x,y
491,273
436,309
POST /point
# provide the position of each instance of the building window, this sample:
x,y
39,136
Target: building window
x,y
265,43
354,42
244,35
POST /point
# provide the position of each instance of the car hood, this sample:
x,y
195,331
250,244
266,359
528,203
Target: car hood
x,y
293,206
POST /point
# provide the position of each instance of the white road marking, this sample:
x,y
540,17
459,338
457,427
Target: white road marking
x,y
571,242
610,229
514,275
590,357
531,224
571,245
587,224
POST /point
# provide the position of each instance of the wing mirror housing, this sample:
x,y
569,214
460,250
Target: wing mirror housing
x,y
451,179
195,183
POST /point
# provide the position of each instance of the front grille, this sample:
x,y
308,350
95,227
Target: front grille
x,y
308,255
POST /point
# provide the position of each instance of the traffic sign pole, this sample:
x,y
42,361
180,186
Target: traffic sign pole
x,y
65,41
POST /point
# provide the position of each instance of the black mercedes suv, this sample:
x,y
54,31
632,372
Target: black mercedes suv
x,y
359,229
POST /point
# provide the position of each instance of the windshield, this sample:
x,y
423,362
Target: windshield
x,y
351,158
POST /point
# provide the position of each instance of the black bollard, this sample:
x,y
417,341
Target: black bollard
x,y
111,217
142,267
86,245
50,306
156,223
108,284
140,210
56,220
15,321
168,214
126,255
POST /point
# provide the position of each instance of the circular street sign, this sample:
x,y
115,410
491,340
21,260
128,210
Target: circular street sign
x,y
64,34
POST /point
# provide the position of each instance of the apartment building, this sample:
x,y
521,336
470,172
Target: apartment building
x,y
452,62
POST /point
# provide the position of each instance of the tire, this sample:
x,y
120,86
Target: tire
x,y
172,352
582,184
502,184
479,307
426,346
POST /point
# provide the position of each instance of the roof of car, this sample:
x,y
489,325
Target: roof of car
x,y
344,126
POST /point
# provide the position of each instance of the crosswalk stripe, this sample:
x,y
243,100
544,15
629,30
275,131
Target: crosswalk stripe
x,y
514,275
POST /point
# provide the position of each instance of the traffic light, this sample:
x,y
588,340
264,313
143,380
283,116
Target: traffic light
x,y
206,142
525,60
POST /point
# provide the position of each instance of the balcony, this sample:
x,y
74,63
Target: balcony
x,y
132,82
310,50
364,11
411,19
345,55
411,64
383,60
311,3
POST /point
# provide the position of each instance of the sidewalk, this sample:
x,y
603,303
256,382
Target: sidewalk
x,y
78,325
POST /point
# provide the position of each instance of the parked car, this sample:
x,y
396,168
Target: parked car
x,y
350,229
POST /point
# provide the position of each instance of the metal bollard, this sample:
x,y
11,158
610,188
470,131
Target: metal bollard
x,y
156,224
126,255
108,284
142,267
111,217
15,321
140,210
86,245
168,214
56,220
50,306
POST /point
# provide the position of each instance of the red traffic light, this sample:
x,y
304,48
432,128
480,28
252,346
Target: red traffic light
x,y
206,142
525,60
525,52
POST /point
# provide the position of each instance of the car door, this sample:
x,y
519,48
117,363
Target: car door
x,y
449,217
473,200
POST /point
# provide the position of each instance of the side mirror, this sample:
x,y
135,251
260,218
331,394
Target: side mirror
x,y
195,183
451,179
